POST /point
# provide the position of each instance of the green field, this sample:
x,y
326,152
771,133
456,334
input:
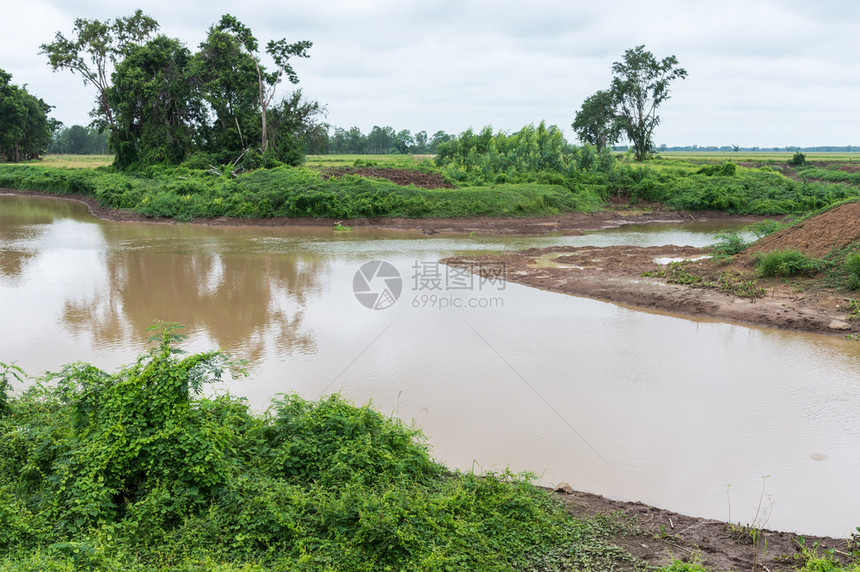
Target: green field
x,y
758,156
393,161
71,161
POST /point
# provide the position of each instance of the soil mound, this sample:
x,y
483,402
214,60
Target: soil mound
x,y
402,177
818,235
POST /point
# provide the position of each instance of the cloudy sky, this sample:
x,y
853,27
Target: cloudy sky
x,y
761,72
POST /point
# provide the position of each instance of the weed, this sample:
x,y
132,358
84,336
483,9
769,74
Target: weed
x,y
339,227
853,308
784,263
680,273
729,244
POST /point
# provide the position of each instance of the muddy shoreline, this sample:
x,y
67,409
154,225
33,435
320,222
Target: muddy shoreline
x,y
658,537
614,274
569,224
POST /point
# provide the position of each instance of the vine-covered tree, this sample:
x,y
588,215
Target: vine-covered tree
x,y
640,86
94,45
25,129
595,123
156,104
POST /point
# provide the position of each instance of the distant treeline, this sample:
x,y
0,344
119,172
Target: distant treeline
x,y
380,141
735,148
78,140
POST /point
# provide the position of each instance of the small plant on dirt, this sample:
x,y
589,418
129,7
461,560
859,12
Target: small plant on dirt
x,y
784,263
740,288
339,227
753,533
678,273
853,309
729,244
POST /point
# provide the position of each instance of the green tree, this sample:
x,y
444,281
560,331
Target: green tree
x,y
156,103
595,123
228,83
267,83
295,128
25,130
640,86
94,45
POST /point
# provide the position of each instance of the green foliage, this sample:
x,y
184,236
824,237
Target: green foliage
x,y
639,86
155,125
595,123
8,373
25,130
684,273
766,227
135,470
784,263
797,159
852,264
729,244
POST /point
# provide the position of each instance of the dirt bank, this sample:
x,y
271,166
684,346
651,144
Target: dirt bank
x,y
658,537
564,224
614,274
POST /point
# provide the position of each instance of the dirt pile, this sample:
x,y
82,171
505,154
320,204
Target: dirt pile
x,y
398,176
818,235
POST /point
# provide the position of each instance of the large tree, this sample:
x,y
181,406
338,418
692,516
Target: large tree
x,y
640,86
281,53
595,123
94,45
157,106
25,130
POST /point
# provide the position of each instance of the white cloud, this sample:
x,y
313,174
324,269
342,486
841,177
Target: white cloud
x,y
761,72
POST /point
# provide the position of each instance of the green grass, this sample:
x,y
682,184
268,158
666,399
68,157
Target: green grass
x,y
758,156
392,161
71,161
134,470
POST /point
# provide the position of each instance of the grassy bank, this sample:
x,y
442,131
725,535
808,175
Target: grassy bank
x,y
491,184
135,471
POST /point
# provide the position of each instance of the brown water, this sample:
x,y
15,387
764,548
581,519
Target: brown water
x,y
684,414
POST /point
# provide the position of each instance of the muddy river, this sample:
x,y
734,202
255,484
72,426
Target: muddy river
x,y
691,415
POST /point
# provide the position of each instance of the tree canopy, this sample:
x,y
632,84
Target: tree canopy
x,y
163,104
639,86
25,129
596,123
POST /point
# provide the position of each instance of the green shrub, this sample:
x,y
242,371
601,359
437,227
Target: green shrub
x,y
797,159
852,264
729,244
784,263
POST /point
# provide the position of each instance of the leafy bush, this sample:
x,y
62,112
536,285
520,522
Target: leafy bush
x,y
729,244
852,264
797,159
134,470
784,263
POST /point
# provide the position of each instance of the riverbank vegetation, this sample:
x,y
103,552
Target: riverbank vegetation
x,y
532,172
136,470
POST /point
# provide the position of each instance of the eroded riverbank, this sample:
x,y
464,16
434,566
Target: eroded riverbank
x,y
614,274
